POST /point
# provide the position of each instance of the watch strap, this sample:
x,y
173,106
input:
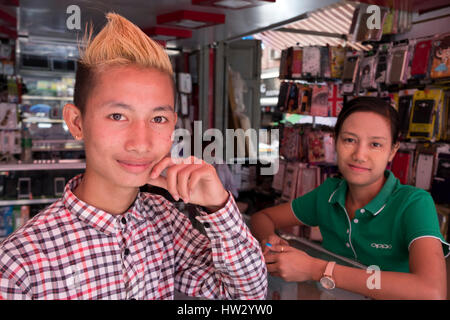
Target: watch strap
x,y
329,269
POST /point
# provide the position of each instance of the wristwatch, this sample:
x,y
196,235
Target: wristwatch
x,y
327,280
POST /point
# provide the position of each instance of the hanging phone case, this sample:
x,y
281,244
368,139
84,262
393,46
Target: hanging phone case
x,y
337,58
421,59
297,61
311,62
398,63
319,101
440,67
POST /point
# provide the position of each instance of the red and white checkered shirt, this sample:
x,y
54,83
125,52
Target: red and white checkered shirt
x,y
72,250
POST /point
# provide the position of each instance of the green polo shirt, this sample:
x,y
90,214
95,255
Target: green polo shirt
x,y
380,233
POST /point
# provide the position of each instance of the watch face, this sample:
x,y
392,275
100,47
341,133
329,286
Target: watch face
x,y
327,283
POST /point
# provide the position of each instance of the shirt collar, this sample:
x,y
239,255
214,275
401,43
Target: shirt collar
x,y
377,204
94,217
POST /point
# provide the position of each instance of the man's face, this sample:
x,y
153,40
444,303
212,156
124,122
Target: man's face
x,y
127,124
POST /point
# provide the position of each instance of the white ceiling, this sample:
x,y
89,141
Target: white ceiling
x,y
47,18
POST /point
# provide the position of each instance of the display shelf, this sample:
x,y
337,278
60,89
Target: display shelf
x,y
42,120
43,166
23,202
27,97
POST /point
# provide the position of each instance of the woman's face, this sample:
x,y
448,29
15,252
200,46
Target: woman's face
x,y
364,148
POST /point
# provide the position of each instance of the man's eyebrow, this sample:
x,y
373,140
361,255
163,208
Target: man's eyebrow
x,y
129,107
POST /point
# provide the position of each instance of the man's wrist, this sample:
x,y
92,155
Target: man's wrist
x,y
221,205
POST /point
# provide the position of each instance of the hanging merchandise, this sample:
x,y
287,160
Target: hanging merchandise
x,y
325,71
382,64
398,62
316,148
308,178
283,65
404,109
424,171
292,100
402,165
282,96
297,62
337,57
364,26
367,71
425,104
440,67
329,147
290,181
319,101
290,143
305,94
421,59
311,62
441,181
446,116
350,73
278,178
335,100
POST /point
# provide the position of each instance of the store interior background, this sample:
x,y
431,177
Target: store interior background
x,y
228,76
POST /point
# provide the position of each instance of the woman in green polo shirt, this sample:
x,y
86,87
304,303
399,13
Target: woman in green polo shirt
x,y
366,215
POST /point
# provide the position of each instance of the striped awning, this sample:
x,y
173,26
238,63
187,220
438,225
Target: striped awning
x,y
329,25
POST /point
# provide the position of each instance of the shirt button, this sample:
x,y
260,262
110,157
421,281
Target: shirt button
x,y
363,210
348,230
126,252
123,220
206,225
355,220
348,245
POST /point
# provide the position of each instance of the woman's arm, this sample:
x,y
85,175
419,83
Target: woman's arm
x,y
264,223
426,280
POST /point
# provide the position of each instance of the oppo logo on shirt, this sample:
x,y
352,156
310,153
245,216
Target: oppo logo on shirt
x,y
381,246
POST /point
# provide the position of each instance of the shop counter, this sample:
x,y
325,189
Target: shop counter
x,y
311,290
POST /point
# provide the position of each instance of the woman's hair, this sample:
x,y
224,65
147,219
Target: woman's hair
x,y
119,43
370,104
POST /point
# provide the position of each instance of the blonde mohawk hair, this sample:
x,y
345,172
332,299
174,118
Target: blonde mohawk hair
x,y
121,42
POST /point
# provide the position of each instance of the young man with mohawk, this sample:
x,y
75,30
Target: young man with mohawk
x,y
106,240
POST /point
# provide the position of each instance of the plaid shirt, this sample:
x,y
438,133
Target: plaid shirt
x,y
72,250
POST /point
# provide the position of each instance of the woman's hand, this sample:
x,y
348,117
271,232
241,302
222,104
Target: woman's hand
x,y
271,241
291,264
192,180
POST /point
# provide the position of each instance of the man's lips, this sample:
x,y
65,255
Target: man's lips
x,y
135,166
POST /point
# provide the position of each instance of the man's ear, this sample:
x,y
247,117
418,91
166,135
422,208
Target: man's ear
x,y
73,119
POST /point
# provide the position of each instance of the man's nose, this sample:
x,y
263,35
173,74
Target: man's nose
x,y
139,138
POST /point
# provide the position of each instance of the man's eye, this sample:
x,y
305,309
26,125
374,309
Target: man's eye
x,y
160,119
116,116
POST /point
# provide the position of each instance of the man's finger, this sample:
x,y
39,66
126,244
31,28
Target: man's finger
x,y
160,166
158,182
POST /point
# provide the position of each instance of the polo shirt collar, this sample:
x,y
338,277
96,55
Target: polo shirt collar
x,y
377,204
98,219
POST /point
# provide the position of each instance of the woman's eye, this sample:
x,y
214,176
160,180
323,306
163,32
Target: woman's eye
x,y
116,116
349,140
160,119
376,144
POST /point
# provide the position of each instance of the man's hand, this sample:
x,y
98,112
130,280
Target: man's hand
x,y
192,180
